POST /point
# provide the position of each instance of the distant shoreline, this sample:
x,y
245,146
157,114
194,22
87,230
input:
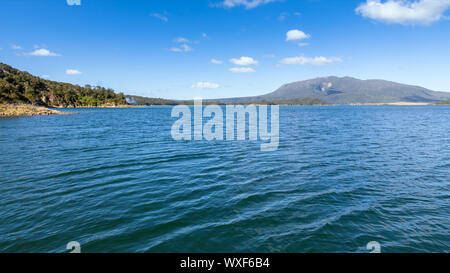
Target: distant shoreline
x,y
89,107
400,103
352,104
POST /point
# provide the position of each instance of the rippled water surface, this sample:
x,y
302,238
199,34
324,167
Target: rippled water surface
x,y
115,181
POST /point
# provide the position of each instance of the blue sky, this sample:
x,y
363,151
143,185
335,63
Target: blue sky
x,y
165,48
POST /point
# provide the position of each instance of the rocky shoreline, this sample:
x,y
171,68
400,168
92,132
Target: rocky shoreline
x,y
25,110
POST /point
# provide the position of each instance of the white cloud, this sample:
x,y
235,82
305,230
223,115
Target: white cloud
x,y
214,61
74,2
303,44
248,4
244,61
296,35
73,72
205,85
160,17
204,35
45,76
181,40
16,47
43,53
242,70
404,11
301,60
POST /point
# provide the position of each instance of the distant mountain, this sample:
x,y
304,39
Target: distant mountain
x,y
349,90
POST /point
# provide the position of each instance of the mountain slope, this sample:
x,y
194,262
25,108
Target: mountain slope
x,y
349,90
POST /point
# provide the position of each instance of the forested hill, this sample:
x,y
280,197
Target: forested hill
x,y
21,87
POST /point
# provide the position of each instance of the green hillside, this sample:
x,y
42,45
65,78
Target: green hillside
x,y
21,87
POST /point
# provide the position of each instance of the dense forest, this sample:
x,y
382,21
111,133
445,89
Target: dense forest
x,y
21,87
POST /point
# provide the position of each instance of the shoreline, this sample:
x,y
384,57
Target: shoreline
x,y
10,110
27,110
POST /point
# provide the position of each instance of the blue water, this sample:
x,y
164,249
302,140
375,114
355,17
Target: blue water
x,y
115,181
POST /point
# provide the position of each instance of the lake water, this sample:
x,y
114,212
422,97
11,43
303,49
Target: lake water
x,y
115,181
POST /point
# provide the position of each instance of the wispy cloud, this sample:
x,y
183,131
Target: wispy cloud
x,y
205,85
45,76
301,60
423,12
186,48
39,46
244,61
282,17
16,47
182,48
214,61
181,40
176,49
73,2
248,4
160,17
73,72
242,70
